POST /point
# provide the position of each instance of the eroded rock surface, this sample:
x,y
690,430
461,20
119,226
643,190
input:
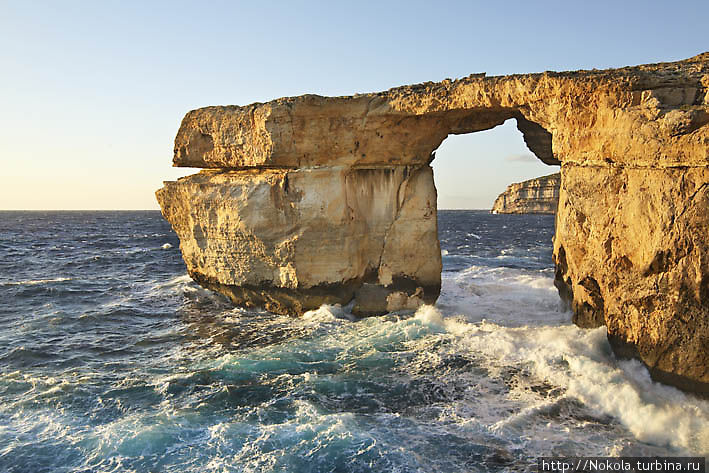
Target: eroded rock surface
x,y
321,199
635,114
292,240
635,257
540,196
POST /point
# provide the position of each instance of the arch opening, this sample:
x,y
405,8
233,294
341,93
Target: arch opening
x,y
472,168
491,265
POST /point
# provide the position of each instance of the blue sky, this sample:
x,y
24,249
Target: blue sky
x,y
93,92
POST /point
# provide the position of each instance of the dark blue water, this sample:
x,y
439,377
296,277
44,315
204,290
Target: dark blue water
x,y
483,239
111,359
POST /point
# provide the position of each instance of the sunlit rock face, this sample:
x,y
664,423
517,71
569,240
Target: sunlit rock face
x,y
632,252
292,240
330,199
540,196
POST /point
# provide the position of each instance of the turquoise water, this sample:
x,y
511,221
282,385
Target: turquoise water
x,y
112,359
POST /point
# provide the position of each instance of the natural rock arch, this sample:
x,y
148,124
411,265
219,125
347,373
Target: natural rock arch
x,y
324,199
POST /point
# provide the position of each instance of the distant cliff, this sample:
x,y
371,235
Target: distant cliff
x,y
540,196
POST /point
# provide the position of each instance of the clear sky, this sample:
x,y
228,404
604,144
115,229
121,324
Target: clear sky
x,y
92,92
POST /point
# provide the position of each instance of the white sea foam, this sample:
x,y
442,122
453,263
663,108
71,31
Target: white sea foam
x,y
510,319
177,281
512,297
580,362
325,313
429,315
33,282
180,283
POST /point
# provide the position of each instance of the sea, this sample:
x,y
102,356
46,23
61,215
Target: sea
x,y
113,360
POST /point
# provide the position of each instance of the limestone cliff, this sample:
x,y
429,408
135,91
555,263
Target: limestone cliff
x,y
632,252
316,199
292,240
540,196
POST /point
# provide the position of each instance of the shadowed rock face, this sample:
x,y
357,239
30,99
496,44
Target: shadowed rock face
x,y
540,195
318,199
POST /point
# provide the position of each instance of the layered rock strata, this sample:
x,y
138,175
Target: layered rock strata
x,y
321,199
540,196
291,240
635,257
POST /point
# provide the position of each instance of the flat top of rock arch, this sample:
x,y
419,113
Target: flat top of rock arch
x,y
648,115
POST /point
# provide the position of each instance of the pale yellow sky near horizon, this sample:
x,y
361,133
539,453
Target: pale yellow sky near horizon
x,y
464,177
